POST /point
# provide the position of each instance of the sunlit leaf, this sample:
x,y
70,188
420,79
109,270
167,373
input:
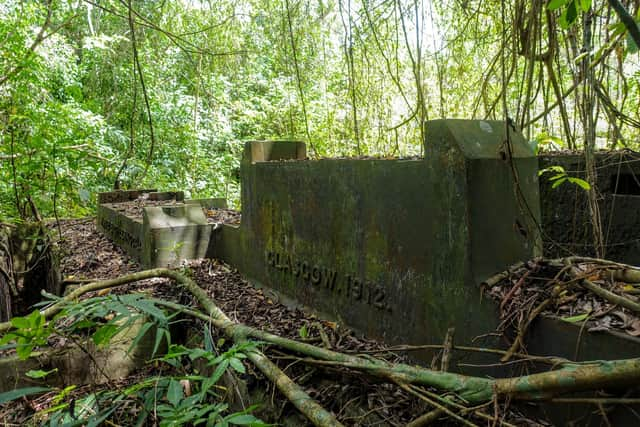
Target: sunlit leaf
x,y
580,182
585,5
576,319
40,373
556,4
237,365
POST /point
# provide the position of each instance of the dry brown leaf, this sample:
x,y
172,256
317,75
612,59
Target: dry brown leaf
x,y
634,328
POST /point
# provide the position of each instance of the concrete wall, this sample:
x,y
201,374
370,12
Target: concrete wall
x,y
565,215
393,248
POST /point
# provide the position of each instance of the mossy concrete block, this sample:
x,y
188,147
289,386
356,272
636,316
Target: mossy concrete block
x,y
173,234
210,203
565,210
165,235
89,365
267,151
392,248
126,232
178,196
119,196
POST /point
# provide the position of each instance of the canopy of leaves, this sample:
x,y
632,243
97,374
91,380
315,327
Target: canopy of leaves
x,y
164,94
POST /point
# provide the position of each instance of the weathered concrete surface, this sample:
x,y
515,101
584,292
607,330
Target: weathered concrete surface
x,y
124,231
119,196
165,235
76,366
212,203
173,234
565,214
390,247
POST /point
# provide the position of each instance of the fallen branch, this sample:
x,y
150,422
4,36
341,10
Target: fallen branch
x,y
605,294
298,397
474,390
436,413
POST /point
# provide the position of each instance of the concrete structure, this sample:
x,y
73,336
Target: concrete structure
x,y
565,214
392,248
395,249
164,235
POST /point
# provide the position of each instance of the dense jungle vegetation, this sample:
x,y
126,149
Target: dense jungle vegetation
x,y
162,94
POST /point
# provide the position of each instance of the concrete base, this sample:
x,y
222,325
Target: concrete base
x,y
165,235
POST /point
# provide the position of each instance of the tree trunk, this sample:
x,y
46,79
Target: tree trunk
x,y
28,265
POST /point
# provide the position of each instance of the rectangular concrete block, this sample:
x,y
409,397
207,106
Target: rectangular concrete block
x,y
120,196
173,234
212,203
267,151
178,196
124,231
164,235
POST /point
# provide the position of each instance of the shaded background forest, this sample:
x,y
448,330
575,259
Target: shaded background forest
x,y
162,94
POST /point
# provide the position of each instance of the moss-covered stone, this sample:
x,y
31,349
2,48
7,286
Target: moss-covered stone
x,y
393,248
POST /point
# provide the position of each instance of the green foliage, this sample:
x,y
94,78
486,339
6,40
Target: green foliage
x,y
27,332
9,396
175,398
560,176
73,111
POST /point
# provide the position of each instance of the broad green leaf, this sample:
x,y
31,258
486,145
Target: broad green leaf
x,y
208,343
24,349
20,323
237,365
585,5
581,183
242,420
557,182
303,331
576,319
617,29
556,4
175,392
220,369
558,169
197,353
104,334
8,338
572,12
36,319
569,15
21,392
40,373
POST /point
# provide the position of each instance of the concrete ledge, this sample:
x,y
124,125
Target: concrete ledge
x,y
112,362
120,196
173,234
165,235
217,203
266,151
126,232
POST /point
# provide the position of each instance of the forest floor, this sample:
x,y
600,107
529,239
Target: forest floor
x,y
355,399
